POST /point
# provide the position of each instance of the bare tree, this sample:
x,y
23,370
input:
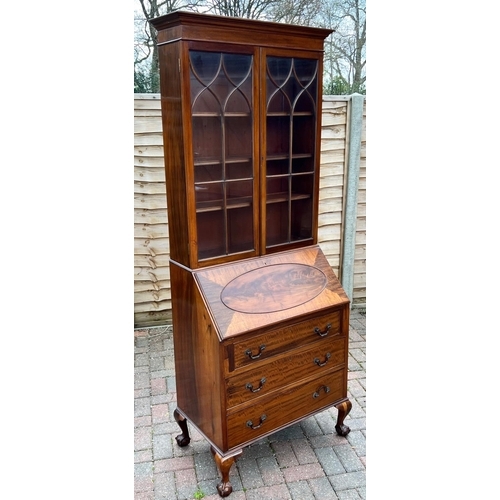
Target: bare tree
x,y
250,9
300,12
345,50
145,47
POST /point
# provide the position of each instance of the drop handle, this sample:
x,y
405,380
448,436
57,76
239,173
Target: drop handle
x,y
324,387
249,386
250,423
323,333
248,352
327,357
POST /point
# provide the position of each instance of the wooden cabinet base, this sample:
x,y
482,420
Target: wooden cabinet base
x,y
225,462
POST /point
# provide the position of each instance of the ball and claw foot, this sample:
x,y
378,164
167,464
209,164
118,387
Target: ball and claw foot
x,y
224,489
342,430
182,439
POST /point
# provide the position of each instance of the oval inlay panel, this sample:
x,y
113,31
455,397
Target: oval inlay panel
x,y
273,288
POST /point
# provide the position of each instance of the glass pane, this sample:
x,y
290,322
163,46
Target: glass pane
x,y
291,97
277,223
302,185
302,165
277,188
277,167
239,192
240,229
303,135
210,234
238,137
239,170
278,135
222,123
207,138
305,70
208,173
301,219
209,196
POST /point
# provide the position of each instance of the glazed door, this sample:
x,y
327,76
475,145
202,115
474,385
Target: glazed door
x,y
223,121
290,143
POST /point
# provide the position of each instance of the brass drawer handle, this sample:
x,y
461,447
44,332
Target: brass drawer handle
x,y
249,386
248,352
326,389
319,363
250,423
324,333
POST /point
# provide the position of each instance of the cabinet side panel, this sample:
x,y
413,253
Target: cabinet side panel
x,y
197,357
173,142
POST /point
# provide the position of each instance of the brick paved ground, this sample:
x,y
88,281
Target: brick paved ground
x,y
307,461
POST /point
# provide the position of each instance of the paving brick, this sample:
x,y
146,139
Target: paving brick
x,y
141,380
270,471
142,421
249,473
171,384
358,354
143,438
158,386
162,446
355,424
166,428
141,359
301,490
292,432
326,422
173,464
162,399
303,451
160,413
143,484
329,461
185,483
205,467
142,407
144,495
164,486
285,454
157,364
300,472
142,393
347,481
260,449
310,427
326,440
276,492
143,456
355,388
358,442
349,495
348,457
322,488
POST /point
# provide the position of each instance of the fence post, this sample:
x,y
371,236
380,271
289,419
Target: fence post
x,y
351,193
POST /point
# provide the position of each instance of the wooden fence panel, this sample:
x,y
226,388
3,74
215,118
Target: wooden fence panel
x,y
152,299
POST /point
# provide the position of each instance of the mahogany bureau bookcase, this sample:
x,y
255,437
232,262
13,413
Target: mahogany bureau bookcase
x,y
260,320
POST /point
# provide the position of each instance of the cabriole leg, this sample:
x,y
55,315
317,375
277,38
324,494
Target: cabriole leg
x,y
224,465
343,408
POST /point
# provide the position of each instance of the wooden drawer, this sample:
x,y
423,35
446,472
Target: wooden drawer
x,y
259,347
290,368
269,414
